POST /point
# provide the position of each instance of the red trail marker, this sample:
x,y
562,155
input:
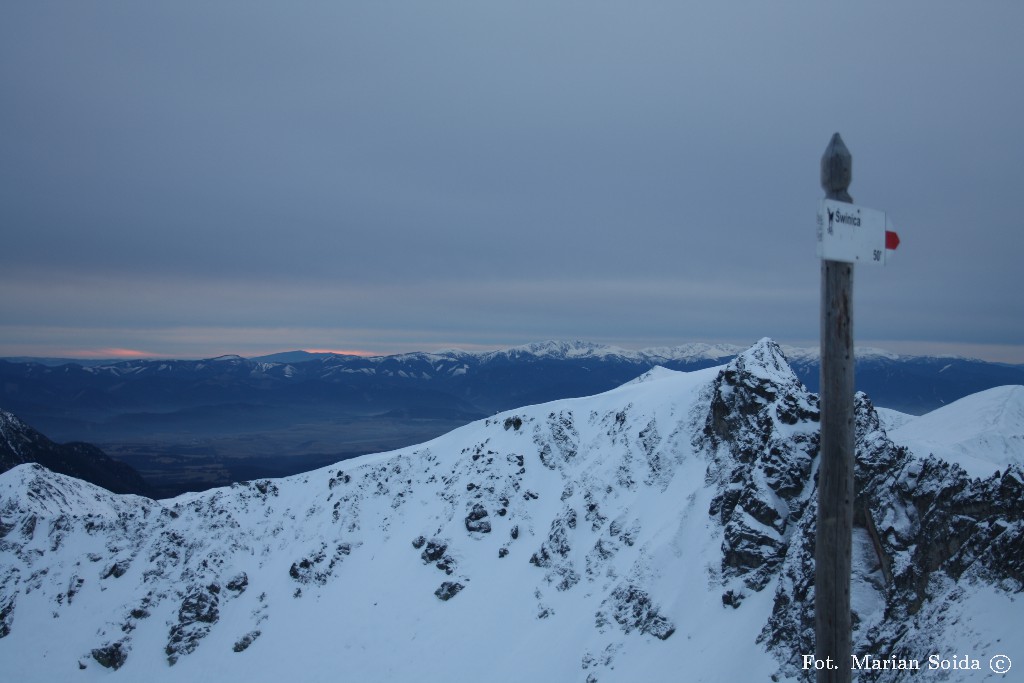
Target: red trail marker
x,y
892,239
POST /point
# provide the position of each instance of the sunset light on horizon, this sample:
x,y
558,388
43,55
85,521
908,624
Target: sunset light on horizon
x,y
344,352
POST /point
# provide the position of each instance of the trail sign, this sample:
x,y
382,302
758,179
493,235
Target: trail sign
x,y
853,234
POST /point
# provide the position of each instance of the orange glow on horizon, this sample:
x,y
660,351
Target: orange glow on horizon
x,y
101,354
343,352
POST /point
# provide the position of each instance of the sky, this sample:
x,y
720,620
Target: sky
x,y
189,179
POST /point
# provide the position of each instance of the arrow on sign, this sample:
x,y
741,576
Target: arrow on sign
x,y
892,239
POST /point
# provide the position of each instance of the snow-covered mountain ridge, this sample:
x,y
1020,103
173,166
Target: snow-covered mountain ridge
x,y
658,531
450,359
470,383
981,432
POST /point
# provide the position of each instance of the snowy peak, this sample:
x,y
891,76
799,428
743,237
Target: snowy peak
x,y
982,433
655,374
696,351
757,391
577,349
562,350
1000,409
766,361
813,353
760,432
48,494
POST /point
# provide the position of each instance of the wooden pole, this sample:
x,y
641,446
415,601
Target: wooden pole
x,y
832,552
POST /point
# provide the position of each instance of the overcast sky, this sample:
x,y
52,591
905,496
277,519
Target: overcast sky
x,y
196,178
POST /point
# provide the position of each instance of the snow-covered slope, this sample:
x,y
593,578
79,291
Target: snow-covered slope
x,y
660,531
893,419
982,433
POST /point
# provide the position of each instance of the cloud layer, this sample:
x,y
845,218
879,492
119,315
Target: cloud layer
x,y
474,174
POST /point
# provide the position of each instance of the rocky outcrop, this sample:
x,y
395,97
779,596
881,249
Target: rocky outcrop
x,y
448,590
112,656
20,443
199,611
632,609
553,554
760,434
243,643
477,520
319,566
6,616
923,526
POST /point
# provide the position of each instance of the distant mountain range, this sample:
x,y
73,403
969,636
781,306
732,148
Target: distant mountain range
x,y
660,531
192,424
451,383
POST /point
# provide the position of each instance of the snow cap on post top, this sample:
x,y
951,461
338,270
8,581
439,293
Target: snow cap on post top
x,y
837,170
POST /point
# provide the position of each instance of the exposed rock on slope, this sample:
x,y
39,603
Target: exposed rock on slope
x,y
761,437
926,537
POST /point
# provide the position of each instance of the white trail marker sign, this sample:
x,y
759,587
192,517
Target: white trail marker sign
x,y
854,234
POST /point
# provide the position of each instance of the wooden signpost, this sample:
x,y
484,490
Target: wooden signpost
x,y
847,234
